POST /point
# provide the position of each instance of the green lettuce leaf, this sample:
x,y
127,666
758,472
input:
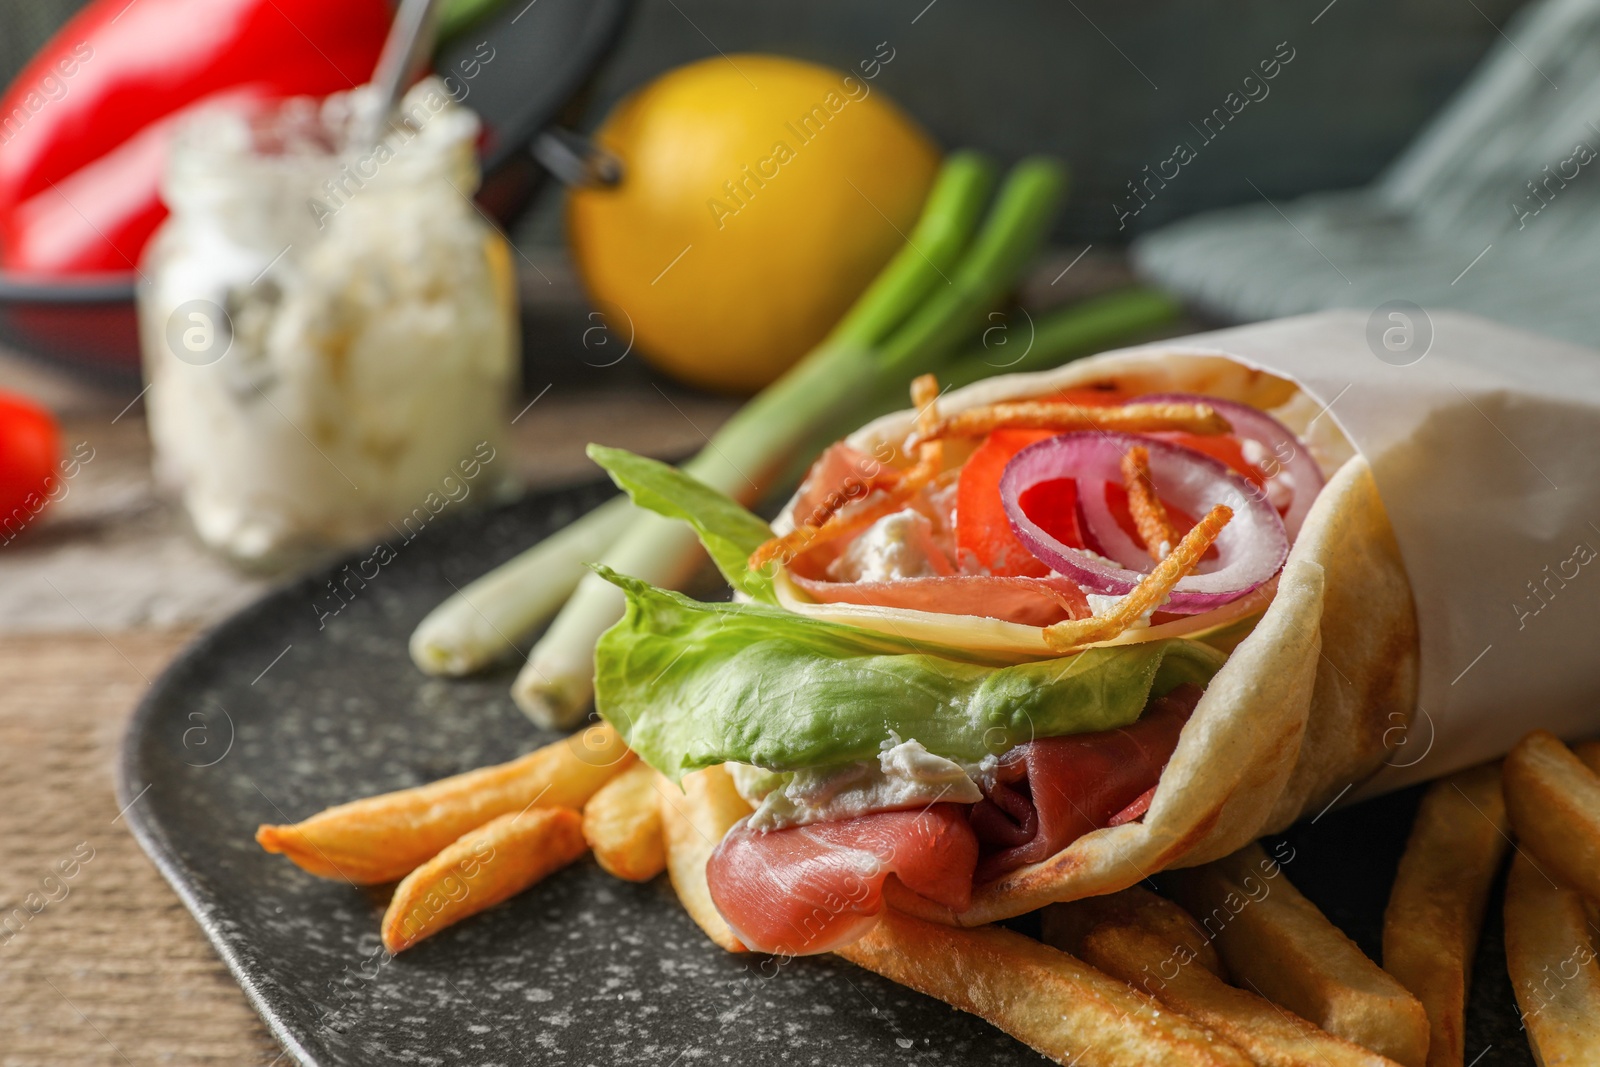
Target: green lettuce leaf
x,y
729,531
691,685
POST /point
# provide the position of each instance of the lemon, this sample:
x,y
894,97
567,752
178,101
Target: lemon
x,y
760,195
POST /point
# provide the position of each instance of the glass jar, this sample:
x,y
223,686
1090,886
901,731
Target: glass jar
x,y
329,330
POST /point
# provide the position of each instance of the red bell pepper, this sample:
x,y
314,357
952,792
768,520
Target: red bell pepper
x,y
84,128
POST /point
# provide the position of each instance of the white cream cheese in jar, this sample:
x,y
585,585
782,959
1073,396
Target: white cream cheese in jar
x,y
329,330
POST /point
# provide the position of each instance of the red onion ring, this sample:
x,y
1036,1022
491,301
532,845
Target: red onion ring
x,y
1288,453
1100,529
1251,548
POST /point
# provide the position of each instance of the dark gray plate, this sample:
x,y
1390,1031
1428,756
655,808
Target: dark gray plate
x,y
282,711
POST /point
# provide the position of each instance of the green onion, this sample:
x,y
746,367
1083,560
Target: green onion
x,y
1117,318
482,623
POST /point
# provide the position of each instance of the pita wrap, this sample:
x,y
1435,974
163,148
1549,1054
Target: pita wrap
x,y
1307,702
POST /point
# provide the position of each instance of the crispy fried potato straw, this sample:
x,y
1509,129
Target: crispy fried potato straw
x,y
925,397
495,862
1149,593
1278,944
1430,928
831,524
383,838
693,822
1043,997
1554,803
1155,946
622,823
1066,417
1149,514
1551,957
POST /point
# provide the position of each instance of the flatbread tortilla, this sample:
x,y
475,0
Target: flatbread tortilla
x,y
1311,701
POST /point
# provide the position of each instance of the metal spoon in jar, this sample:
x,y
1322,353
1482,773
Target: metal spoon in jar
x,y
405,53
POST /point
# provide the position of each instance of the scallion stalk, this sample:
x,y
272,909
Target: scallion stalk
x,y
483,622
1116,318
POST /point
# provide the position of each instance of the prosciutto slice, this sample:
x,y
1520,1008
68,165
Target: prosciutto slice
x,y
1046,794
811,889
840,475
1030,601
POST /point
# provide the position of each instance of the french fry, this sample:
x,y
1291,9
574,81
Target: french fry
x,y
496,861
1430,928
384,838
622,823
1276,942
693,822
1155,946
1066,926
1043,997
1554,974
1554,804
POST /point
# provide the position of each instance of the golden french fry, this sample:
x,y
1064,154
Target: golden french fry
x,y
496,861
622,823
384,838
1276,942
1155,946
1430,928
1043,997
1554,804
1065,926
1554,974
693,822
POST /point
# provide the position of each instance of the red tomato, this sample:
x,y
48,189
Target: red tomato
x,y
982,528
983,533
30,442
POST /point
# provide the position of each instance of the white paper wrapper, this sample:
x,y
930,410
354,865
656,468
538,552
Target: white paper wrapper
x,y
1486,452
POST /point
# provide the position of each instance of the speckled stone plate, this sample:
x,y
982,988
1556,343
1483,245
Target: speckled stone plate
x,y
290,707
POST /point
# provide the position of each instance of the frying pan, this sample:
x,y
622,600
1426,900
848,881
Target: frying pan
x,y
544,54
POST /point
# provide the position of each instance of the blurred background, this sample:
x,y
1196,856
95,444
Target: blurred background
x,y
1107,90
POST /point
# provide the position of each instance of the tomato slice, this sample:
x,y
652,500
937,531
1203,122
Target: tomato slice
x,y
983,533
